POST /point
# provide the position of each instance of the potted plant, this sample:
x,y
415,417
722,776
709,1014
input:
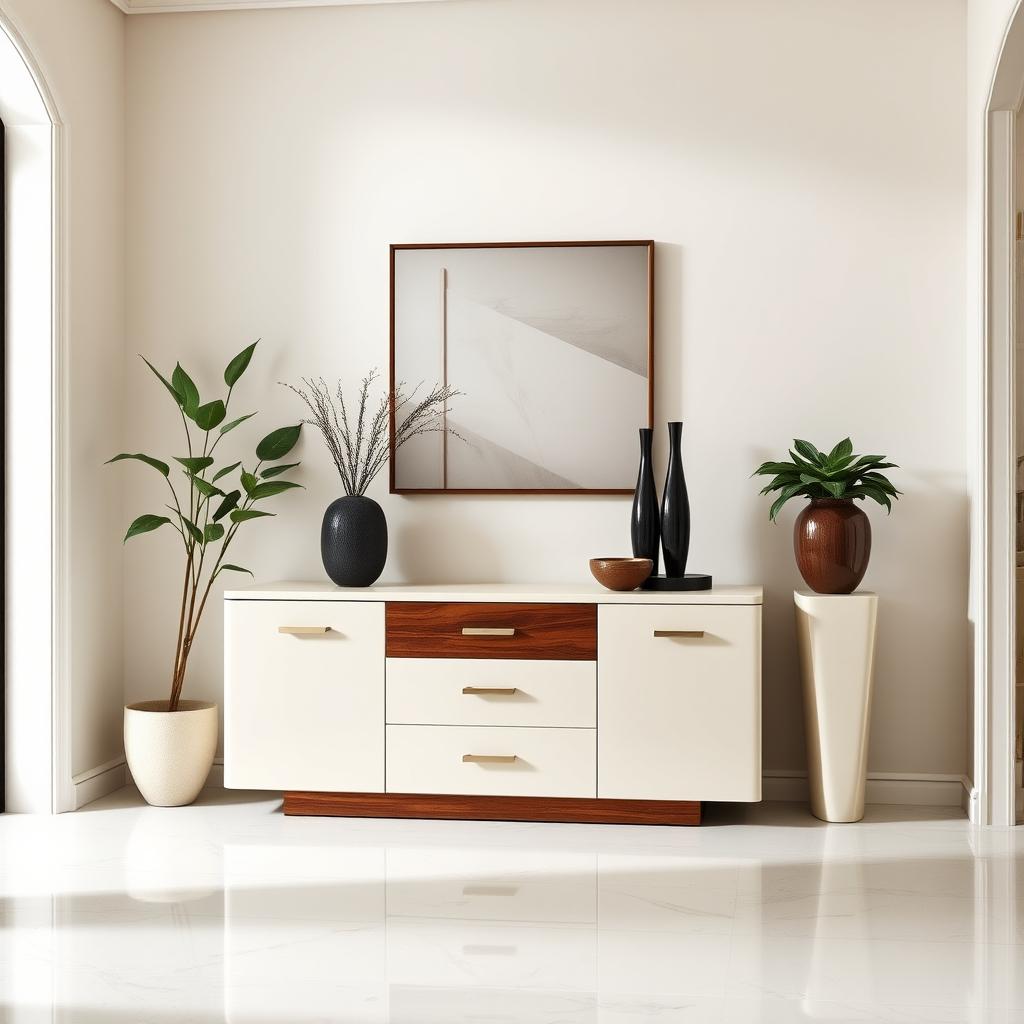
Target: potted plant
x,y
169,744
832,536
354,534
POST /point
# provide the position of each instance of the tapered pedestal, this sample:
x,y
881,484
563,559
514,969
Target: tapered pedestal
x,y
836,634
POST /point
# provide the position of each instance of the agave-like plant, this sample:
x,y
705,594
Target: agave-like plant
x,y
198,516
840,474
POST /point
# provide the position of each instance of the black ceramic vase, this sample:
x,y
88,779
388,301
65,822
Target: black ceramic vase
x,y
675,508
354,541
644,526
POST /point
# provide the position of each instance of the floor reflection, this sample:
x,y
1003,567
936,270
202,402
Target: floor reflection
x,y
228,911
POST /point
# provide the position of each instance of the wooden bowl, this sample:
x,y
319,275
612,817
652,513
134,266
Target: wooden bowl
x,y
621,573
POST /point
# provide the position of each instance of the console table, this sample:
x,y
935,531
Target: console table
x,y
499,701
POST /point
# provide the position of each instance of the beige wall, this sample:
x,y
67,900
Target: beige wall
x,y
79,45
801,166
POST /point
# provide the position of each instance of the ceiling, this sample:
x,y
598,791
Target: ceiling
x,y
169,6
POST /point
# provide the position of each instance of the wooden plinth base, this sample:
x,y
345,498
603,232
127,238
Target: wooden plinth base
x,y
495,808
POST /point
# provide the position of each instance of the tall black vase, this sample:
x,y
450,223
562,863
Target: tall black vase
x,y
675,508
644,526
354,541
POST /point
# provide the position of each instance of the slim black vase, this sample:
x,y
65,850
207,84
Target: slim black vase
x,y
644,526
675,508
354,541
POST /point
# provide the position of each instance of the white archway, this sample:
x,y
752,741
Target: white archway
x,y
994,697
37,703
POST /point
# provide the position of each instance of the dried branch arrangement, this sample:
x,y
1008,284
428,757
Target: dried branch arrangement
x,y
360,445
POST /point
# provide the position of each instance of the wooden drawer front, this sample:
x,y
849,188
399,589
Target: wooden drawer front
x,y
439,691
680,712
559,632
548,762
304,710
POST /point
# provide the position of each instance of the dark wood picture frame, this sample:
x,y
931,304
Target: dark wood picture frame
x,y
395,247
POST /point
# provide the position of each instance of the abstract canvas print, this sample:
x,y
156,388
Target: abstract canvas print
x,y
549,346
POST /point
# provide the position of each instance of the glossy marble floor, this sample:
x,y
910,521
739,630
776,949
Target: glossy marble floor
x,y
227,911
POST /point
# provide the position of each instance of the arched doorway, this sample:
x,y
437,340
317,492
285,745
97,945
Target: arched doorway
x,y
33,467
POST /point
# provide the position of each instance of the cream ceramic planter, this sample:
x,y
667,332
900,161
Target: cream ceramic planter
x,y
170,753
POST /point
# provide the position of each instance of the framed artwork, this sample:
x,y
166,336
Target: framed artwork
x,y
549,347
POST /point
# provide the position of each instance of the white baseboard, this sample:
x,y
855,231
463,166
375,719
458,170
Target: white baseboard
x,y
777,784
931,790
99,781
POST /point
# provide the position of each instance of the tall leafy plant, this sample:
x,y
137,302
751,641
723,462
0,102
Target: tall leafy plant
x,y
839,474
206,509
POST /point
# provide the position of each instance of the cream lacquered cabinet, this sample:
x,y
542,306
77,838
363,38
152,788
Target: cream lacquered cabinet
x,y
679,702
304,695
543,703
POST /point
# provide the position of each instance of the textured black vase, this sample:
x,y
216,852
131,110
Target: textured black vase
x,y
675,508
644,526
354,541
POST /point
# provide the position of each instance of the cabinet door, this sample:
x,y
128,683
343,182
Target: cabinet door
x,y
679,702
304,707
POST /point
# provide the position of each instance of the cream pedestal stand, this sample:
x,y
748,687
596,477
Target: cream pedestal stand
x,y
836,634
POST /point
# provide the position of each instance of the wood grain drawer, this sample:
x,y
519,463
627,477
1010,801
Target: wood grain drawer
x,y
560,632
506,761
471,691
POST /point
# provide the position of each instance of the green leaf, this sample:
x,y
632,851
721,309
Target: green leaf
x,y
773,468
226,470
810,478
230,501
184,387
144,524
197,534
881,482
234,423
278,470
278,443
834,487
163,380
238,365
809,452
213,532
242,515
148,460
803,465
210,415
206,489
781,500
249,482
233,568
782,480
270,488
841,451
195,465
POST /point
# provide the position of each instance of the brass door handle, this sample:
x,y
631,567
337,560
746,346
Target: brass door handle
x,y
487,631
304,630
692,634
480,691
488,758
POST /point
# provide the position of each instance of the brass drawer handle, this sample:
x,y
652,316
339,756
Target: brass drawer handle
x,y
692,634
487,631
502,691
304,630
488,758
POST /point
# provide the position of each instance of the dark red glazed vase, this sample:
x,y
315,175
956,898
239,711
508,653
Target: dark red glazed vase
x,y
832,541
